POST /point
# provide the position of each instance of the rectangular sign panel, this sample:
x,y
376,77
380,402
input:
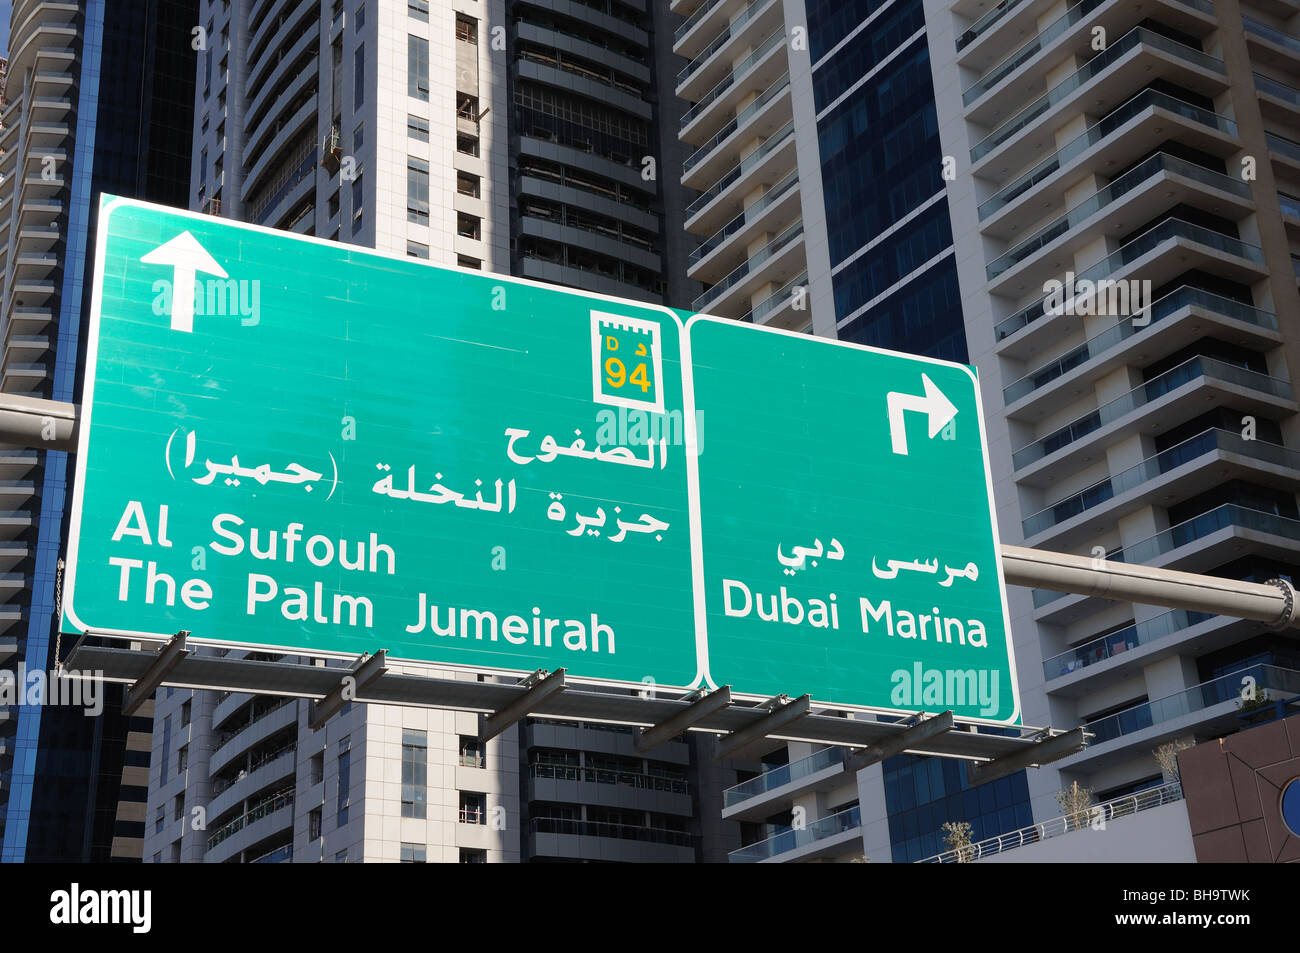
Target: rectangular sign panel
x,y
300,445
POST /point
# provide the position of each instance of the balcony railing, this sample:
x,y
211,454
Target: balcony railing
x,y
790,839
1189,531
1289,204
1049,33
776,245
1273,36
1171,303
1227,688
748,215
771,142
774,778
982,25
1205,442
1160,162
1283,146
576,828
742,117
689,23
595,775
1086,73
1082,820
264,809
775,300
1273,88
1120,641
1167,231
738,72
722,39
262,211
281,855
1143,394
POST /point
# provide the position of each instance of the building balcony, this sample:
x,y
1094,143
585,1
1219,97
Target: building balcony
x,y
755,73
560,39
1117,656
1277,99
722,201
266,770
775,788
283,150
14,465
1023,74
774,211
608,788
762,121
1159,255
598,841
1206,709
1150,407
786,307
1106,80
702,22
1272,47
1154,185
1056,383
1283,150
278,718
758,19
778,261
1195,465
271,816
836,834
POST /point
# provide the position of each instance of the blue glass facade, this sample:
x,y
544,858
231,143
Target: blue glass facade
x,y
134,116
924,793
895,286
887,219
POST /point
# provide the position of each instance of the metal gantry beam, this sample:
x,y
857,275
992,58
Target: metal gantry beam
x,y
169,656
38,424
913,737
1274,603
363,673
781,715
674,725
1044,752
525,704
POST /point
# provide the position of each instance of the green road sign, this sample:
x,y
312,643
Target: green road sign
x,y
295,444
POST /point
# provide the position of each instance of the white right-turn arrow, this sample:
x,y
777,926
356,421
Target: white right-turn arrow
x,y
934,404
186,256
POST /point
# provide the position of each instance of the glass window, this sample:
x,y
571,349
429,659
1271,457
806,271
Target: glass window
x,y
166,747
416,250
345,781
468,226
415,772
417,190
413,854
468,856
418,9
417,128
466,29
468,184
473,808
467,262
417,67
359,76
472,752
314,824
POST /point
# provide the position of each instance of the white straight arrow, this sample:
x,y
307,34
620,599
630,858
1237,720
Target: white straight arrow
x,y
186,256
934,404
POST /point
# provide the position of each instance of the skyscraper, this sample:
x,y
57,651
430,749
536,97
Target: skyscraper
x,y
953,179
523,138
94,103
